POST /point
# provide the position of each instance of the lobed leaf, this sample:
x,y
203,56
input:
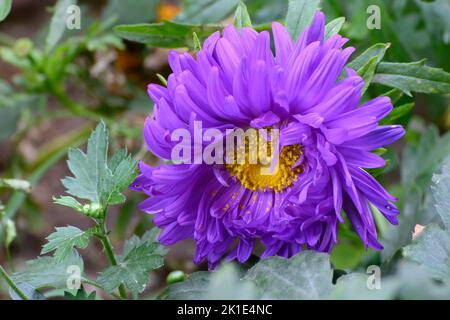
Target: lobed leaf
x,y
65,239
95,177
140,256
308,275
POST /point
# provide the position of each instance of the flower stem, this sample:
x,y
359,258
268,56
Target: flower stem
x,y
112,258
13,286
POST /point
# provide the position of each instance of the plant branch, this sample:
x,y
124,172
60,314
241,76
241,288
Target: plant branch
x,y
109,252
12,285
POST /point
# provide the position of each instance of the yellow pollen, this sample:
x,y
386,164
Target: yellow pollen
x,y
252,176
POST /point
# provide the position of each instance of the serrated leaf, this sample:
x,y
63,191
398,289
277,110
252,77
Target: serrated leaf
x,y
5,8
166,34
140,255
93,179
80,294
333,27
307,275
377,50
299,16
431,249
46,272
65,239
420,161
241,17
132,270
414,76
57,23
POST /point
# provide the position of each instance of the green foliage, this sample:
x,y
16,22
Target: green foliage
x,y
139,257
420,160
377,50
80,294
58,23
65,239
241,17
299,16
47,272
65,60
95,177
166,34
333,27
205,11
431,249
414,76
5,8
308,275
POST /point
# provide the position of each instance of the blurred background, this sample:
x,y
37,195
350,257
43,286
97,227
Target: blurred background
x,y
50,102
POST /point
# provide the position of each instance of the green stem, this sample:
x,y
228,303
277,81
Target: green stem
x,y
73,106
112,258
11,283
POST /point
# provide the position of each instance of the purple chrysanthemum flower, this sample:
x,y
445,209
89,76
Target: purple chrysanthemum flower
x,y
325,140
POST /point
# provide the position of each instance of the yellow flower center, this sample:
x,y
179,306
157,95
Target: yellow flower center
x,y
261,176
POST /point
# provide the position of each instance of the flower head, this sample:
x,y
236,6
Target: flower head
x,y
325,141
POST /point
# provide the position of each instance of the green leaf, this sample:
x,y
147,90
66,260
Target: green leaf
x,y
131,11
241,17
367,72
441,193
69,202
377,50
47,272
165,34
197,44
397,113
28,290
299,16
308,275
353,286
205,11
431,249
140,256
93,179
194,288
225,284
80,294
414,76
333,27
420,161
5,8
57,23
65,239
